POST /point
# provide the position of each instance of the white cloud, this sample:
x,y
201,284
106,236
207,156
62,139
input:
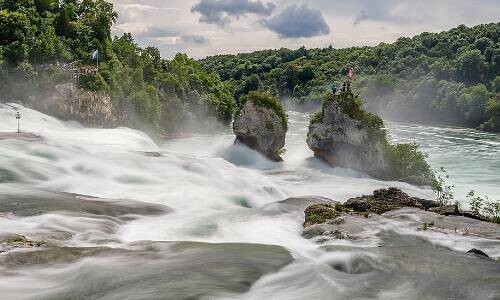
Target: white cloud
x,y
172,26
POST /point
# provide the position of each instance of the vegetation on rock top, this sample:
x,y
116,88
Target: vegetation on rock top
x,y
268,101
407,161
385,200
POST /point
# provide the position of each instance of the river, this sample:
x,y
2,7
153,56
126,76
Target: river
x,y
217,195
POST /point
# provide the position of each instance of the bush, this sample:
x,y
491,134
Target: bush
x,y
352,105
94,83
443,191
266,100
408,161
316,118
147,104
483,208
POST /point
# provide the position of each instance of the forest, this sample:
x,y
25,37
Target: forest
x,y
452,77
39,38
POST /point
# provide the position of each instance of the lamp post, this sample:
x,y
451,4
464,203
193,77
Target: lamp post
x,y
18,118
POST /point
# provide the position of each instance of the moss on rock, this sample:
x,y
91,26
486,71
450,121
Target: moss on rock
x,y
320,213
9,242
266,100
382,201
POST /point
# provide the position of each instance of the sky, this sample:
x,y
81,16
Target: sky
x,y
203,28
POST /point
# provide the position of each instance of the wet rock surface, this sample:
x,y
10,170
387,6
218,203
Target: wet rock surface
x,y
320,213
359,218
447,224
296,204
410,267
13,241
261,129
166,270
412,252
57,219
31,202
23,136
381,201
477,252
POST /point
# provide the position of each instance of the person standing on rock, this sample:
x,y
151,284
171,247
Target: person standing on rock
x,y
334,88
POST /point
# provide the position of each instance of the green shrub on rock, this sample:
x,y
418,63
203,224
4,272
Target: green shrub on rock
x,y
482,207
406,162
266,100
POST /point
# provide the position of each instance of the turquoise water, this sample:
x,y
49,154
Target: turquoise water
x,y
471,157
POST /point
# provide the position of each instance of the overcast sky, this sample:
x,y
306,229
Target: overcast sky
x,y
208,27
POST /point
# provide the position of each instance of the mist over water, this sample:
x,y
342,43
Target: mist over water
x,y
216,192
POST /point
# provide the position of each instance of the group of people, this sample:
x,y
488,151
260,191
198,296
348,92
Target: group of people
x,y
346,87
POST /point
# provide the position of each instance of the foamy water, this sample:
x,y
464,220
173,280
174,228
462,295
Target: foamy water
x,y
215,189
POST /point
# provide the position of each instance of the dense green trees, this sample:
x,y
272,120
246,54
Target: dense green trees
x,y
451,77
39,38
448,77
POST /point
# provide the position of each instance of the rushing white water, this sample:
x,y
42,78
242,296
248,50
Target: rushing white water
x,y
216,190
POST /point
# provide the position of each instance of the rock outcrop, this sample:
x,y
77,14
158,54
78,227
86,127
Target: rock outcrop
x,y
345,141
357,214
260,126
93,109
382,201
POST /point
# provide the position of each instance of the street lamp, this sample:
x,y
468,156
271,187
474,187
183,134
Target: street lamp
x,y
18,118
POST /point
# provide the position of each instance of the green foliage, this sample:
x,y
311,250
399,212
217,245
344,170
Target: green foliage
x,y
443,191
41,33
249,84
475,202
268,101
425,78
352,105
408,161
481,206
316,118
94,83
147,104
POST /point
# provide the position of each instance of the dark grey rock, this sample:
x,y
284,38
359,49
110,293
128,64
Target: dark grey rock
x,y
477,252
261,129
31,202
147,270
342,141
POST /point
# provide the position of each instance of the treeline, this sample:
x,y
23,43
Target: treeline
x,y
40,38
450,77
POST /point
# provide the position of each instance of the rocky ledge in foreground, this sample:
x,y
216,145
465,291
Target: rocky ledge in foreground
x,y
144,270
405,247
348,220
261,124
57,217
